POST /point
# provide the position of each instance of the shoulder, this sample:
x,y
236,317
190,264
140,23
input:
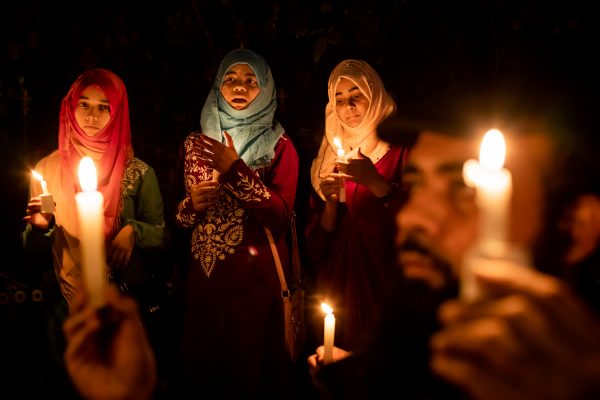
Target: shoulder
x,y
135,167
49,162
285,145
397,153
52,157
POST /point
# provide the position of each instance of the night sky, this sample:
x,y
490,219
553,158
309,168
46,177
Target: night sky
x,y
167,54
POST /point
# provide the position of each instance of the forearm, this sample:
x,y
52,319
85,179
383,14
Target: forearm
x,y
328,217
35,239
272,205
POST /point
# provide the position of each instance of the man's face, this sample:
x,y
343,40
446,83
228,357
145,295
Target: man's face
x,y
439,222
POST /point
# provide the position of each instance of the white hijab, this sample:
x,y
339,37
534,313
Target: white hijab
x,y
364,136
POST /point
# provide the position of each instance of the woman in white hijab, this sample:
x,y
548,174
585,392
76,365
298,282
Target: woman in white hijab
x,y
355,177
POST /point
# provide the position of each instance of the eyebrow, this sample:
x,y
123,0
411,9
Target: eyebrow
x,y
451,167
87,98
230,72
352,89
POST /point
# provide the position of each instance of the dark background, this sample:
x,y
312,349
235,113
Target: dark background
x,y
167,53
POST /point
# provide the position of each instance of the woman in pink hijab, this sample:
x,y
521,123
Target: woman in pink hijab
x,y
355,177
94,122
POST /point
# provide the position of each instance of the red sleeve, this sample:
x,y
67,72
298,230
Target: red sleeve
x,y
195,171
268,194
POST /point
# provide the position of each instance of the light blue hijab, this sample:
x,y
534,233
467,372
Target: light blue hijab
x,y
253,129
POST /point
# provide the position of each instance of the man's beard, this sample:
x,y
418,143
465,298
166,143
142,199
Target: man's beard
x,y
450,288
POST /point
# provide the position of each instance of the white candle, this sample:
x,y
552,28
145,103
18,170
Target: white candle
x,y
341,157
46,198
494,189
90,207
329,333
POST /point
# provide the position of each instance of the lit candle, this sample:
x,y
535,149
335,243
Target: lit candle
x,y
90,207
329,333
46,198
40,178
341,157
494,189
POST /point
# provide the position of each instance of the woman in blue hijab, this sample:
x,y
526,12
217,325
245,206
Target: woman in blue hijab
x,y
240,177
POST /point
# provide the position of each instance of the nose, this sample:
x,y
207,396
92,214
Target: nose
x,y
424,212
239,87
92,113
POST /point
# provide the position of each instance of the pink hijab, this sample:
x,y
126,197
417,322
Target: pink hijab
x,y
109,149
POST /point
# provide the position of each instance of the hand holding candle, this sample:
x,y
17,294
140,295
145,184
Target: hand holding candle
x,y
341,157
46,198
90,207
329,333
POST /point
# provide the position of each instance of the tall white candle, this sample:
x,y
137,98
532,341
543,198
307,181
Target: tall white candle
x,y
329,333
341,157
493,184
90,208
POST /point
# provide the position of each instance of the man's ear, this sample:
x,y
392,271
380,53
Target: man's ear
x,y
584,228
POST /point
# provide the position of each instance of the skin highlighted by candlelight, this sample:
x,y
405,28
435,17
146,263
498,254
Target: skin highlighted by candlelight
x,y
90,209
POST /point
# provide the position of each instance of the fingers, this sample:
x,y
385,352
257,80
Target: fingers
x,y
228,140
331,187
204,194
205,147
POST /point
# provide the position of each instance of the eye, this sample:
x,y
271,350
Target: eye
x,y
82,104
104,107
409,185
252,82
460,190
228,79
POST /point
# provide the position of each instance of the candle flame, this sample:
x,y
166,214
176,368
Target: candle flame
x,y
87,175
326,308
37,175
337,142
493,150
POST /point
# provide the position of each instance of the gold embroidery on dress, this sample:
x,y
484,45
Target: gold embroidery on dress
x,y
249,190
219,233
134,168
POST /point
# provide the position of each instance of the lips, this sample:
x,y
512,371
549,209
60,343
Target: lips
x,y
238,100
414,260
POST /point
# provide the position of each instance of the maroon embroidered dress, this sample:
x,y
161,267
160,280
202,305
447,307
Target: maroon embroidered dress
x,y
233,337
354,262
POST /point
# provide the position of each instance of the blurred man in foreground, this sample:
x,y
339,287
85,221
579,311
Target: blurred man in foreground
x,y
527,326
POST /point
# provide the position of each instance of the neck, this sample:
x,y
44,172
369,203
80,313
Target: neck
x,y
367,143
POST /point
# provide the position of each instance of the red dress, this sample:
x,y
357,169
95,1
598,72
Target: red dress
x,y
233,337
356,260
